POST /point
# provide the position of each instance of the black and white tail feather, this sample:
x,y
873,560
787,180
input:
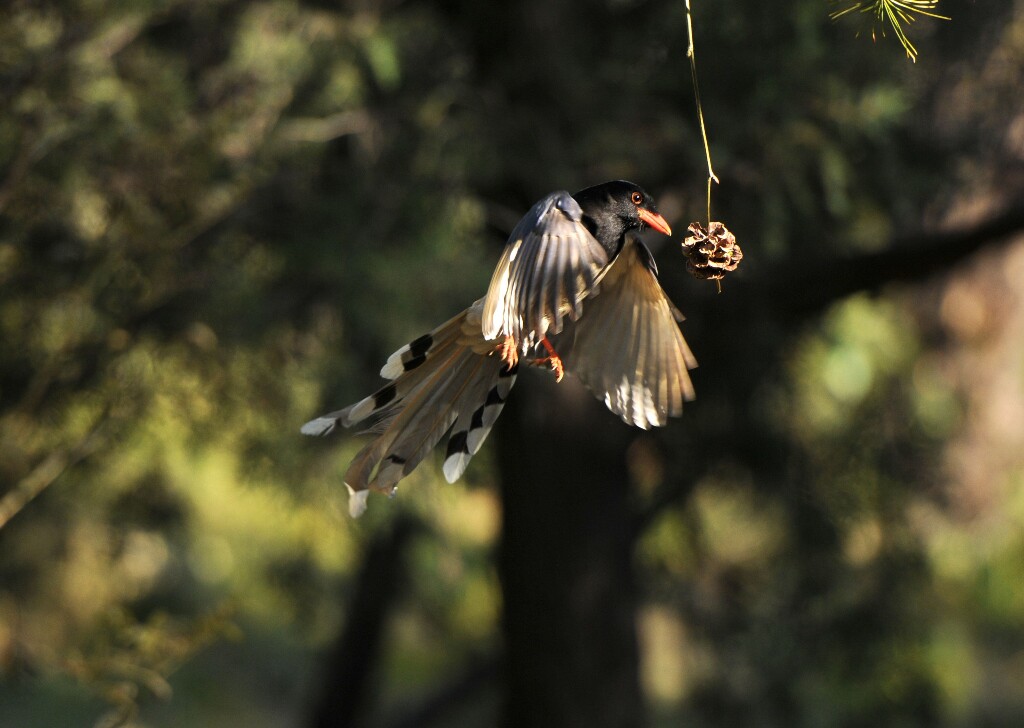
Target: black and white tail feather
x,y
449,379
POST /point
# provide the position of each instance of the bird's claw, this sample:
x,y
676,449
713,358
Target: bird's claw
x,y
555,362
553,359
557,368
509,352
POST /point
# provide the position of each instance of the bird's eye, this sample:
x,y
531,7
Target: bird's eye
x,y
637,198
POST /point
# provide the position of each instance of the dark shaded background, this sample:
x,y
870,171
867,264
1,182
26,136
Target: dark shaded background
x,y
218,218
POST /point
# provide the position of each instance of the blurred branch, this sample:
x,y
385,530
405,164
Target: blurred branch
x,y
47,471
805,289
320,130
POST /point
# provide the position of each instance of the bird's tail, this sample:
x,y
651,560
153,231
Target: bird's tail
x,y
447,379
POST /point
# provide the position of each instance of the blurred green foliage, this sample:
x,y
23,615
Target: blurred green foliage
x,y
217,218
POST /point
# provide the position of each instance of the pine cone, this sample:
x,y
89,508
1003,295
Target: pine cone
x,y
711,253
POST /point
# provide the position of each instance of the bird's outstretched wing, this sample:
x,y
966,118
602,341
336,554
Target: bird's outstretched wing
x,y
628,349
550,264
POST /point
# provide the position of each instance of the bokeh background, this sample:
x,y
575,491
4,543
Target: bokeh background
x,y
217,218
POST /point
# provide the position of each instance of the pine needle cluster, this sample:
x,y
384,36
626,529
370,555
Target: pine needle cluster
x,y
891,13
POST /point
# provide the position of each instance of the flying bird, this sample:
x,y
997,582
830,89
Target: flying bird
x,y
573,277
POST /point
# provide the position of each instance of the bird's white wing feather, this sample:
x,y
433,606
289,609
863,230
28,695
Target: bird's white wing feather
x,y
628,349
550,264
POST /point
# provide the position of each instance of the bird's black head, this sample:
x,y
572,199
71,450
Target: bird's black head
x,y
612,209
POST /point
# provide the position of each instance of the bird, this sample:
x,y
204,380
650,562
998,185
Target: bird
x,y
573,276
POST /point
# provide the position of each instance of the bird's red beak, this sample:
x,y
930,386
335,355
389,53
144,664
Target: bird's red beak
x,y
655,221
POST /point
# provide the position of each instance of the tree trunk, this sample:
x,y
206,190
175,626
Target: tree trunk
x,y
566,563
347,681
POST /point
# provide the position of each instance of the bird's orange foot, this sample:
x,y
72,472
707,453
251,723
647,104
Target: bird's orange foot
x,y
555,362
553,359
509,352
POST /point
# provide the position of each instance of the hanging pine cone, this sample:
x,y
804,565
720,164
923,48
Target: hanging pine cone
x,y
711,253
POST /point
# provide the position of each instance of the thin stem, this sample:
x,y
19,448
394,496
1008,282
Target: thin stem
x,y
700,109
709,194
